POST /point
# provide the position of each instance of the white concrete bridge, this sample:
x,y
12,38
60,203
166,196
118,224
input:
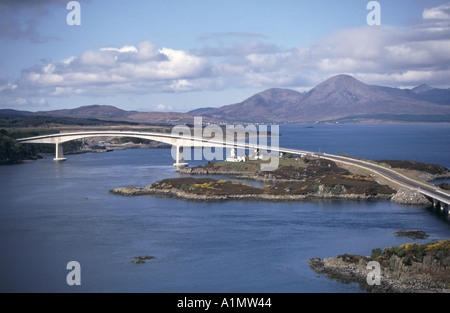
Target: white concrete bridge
x,y
439,197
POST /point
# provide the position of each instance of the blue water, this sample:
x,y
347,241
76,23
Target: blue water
x,y
53,213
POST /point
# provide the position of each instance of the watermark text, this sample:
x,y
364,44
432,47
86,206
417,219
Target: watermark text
x,y
240,142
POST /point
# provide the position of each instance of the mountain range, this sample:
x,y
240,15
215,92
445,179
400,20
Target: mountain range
x,y
340,98
110,113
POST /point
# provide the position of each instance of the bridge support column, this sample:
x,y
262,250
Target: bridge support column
x,y
435,203
180,158
444,208
59,153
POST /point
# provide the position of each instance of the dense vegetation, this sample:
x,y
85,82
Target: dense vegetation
x,y
13,152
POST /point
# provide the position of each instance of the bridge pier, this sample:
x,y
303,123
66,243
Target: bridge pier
x,y
435,203
441,206
59,153
180,158
444,208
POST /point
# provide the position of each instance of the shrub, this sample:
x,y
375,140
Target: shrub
x,y
315,188
375,253
398,251
414,251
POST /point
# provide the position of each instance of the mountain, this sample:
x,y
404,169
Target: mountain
x,y
422,88
434,95
339,97
262,107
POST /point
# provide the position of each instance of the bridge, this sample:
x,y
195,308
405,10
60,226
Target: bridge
x,y
439,198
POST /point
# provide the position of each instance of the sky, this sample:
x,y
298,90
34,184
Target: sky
x,y
180,55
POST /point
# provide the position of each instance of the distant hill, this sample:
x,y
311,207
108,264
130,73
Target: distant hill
x,y
43,121
11,112
111,113
103,112
337,98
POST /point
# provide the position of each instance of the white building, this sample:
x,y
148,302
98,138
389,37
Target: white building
x,y
234,158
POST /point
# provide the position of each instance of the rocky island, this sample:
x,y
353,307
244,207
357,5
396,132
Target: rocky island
x,y
295,179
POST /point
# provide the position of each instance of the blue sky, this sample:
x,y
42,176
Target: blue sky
x,y
179,55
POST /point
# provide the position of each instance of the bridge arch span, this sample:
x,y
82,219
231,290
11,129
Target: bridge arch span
x,y
59,139
179,141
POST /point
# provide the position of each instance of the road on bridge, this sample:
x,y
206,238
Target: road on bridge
x,y
395,177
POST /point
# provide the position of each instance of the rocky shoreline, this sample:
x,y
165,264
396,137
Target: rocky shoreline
x,y
409,197
182,195
410,268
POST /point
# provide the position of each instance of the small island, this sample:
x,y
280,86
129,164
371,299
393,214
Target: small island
x,y
295,179
208,189
140,259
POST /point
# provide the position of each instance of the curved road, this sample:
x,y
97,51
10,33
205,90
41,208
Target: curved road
x,y
427,190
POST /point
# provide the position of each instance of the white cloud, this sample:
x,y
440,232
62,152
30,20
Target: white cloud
x,y
147,50
68,60
7,86
124,49
163,107
441,12
42,102
128,69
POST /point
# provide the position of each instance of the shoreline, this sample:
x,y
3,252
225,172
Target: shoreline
x,y
182,195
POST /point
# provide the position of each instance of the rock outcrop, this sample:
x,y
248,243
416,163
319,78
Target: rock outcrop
x,y
409,268
409,197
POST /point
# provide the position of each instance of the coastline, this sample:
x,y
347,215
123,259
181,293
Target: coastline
x,y
182,195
